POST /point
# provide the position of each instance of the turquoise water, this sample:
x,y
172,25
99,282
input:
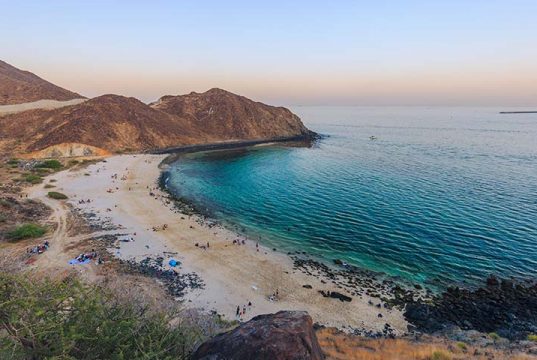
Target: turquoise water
x,y
445,194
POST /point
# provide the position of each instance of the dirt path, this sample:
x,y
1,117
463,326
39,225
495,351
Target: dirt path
x,y
62,244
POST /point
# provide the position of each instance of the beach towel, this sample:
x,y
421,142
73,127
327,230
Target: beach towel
x,y
76,262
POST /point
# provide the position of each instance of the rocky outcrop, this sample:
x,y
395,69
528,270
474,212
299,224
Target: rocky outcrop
x,y
19,86
502,306
228,116
285,335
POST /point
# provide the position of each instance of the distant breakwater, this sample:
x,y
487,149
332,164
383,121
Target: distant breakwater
x,y
518,112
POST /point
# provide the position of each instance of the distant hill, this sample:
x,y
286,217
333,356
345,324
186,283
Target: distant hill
x,y
114,123
19,86
232,117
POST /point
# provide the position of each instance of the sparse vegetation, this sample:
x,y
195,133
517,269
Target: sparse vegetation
x,y
3,218
50,164
494,336
462,346
440,355
49,186
26,231
13,162
68,320
33,178
57,195
53,180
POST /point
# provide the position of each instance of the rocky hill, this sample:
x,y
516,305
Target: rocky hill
x,y
232,117
19,86
113,123
110,122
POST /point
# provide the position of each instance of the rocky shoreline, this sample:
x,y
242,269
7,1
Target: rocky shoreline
x,y
505,307
502,306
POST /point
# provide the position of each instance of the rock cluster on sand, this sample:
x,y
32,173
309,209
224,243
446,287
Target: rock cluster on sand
x,y
285,335
502,306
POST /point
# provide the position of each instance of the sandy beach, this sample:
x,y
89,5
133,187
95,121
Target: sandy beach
x,y
123,190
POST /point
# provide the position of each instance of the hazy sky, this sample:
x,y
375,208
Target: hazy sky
x,y
467,52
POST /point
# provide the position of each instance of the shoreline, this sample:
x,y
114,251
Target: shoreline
x,y
233,275
304,140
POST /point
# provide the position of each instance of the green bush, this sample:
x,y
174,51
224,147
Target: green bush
x,y
50,164
33,179
49,186
26,231
494,336
532,337
13,162
56,195
66,319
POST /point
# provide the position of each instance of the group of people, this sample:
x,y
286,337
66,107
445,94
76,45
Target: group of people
x,y
203,246
89,256
157,228
241,312
274,296
39,249
239,242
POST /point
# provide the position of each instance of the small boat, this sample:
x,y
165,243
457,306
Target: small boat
x,y
372,137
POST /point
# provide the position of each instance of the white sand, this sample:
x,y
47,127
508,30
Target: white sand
x,y
233,275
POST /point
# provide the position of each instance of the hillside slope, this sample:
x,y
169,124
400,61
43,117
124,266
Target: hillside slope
x,y
19,86
228,116
110,122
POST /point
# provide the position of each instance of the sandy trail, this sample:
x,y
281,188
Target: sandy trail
x,y
233,274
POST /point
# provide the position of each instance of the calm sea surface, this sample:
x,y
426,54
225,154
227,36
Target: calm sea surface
x,y
442,193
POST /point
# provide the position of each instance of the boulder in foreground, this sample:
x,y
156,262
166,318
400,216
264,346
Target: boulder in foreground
x,y
284,335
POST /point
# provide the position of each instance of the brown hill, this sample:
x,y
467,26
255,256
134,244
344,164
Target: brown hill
x,y
19,86
111,122
227,116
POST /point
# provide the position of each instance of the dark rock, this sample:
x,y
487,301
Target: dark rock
x,y
492,281
307,286
504,307
284,335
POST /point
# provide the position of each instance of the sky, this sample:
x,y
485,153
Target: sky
x,y
451,52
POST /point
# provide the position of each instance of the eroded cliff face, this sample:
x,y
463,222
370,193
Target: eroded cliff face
x,y
227,116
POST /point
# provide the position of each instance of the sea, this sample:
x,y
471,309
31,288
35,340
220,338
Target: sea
x,y
431,195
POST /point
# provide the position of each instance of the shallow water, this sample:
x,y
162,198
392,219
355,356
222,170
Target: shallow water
x,y
445,194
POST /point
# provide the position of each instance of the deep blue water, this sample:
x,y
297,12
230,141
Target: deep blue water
x,y
445,193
